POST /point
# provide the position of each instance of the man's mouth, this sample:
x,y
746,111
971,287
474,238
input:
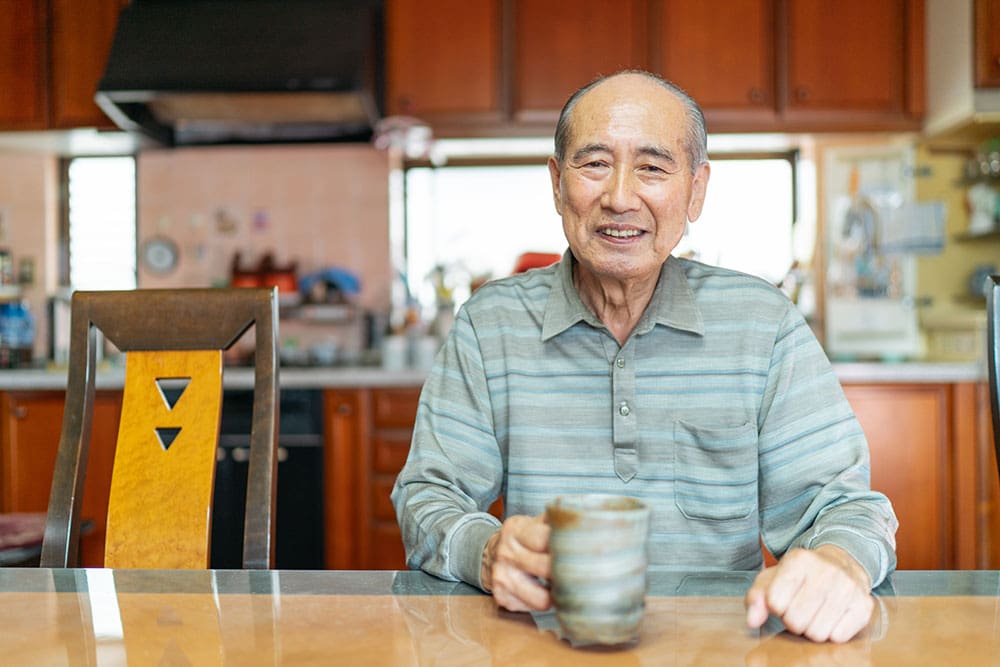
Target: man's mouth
x,y
620,233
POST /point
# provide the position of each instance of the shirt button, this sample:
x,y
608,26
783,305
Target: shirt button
x,y
623,409
620,363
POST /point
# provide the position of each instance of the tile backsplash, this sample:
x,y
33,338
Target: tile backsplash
x,y
317,206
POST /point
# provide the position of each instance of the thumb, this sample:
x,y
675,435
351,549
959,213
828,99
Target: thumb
x,y
756,598
756,608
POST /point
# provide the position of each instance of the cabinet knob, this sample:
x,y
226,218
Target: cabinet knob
x,y
802,93
756,96
344,409
19,412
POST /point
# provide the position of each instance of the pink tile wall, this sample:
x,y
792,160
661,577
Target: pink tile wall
x,y
29,206
320,206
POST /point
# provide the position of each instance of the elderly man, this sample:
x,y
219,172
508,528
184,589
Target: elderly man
x,y
624,370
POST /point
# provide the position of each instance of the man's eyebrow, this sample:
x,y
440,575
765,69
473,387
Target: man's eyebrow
x,y
658,152
590,149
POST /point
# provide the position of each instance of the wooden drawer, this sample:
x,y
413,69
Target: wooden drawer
x,y
395,407
389,452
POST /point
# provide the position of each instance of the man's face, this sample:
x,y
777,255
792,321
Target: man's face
x,y
625,189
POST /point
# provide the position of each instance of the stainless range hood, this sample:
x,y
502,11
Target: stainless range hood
x,y
245,71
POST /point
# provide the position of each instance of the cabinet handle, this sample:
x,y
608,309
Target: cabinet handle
x,y
344,409
756,96
19,412
802,93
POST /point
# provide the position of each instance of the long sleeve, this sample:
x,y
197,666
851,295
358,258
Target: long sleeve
x,y
814,462
455,467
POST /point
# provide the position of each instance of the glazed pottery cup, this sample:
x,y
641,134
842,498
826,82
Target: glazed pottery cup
x,y
599,558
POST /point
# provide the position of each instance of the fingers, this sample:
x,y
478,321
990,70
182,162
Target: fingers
x,y
513,561
516,590
756,599
816,594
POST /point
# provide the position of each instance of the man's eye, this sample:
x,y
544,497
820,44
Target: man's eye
x,y
653,169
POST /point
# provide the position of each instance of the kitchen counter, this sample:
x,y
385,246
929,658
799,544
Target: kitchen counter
x,y
234,378
910,372
374,376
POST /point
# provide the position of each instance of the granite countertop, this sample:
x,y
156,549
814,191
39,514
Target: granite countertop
x,y
373,376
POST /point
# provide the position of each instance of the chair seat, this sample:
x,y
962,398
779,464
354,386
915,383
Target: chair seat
x,y
21,537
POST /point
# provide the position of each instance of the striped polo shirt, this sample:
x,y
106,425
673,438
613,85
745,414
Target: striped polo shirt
x,y
720,411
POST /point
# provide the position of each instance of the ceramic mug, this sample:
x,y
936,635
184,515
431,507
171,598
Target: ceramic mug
x,y
599,554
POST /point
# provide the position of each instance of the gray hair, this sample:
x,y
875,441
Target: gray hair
x,y
695,140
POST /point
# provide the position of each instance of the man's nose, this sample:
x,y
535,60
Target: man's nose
x,y
620,191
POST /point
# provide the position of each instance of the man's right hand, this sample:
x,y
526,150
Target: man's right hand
x,y
514,559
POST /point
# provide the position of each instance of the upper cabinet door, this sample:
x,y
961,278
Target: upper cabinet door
x,y
987,43
443,59
849,55
81,39
722,54
561,46
23,75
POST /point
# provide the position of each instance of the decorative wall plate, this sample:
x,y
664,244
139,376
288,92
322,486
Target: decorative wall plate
x,y
159,254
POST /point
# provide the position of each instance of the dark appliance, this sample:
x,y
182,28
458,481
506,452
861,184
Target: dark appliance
x,y
246,71
299,503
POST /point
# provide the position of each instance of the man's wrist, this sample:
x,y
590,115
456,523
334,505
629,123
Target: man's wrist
x,y
486,569
847,562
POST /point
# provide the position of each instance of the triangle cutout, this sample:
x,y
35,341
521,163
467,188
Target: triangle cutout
x,y
171,389
167,435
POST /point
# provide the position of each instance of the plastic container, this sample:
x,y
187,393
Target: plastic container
x,y
17,335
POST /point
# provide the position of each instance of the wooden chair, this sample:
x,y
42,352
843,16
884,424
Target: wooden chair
x,y
993,355
159,510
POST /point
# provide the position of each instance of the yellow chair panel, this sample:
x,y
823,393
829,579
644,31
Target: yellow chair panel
x,y
159,510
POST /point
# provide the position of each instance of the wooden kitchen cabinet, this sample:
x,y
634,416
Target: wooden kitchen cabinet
x,y
929,450
52,55
30,425
558,48
80,39
853,63
368,433
987,38
753,65
23,65
443,60
727,63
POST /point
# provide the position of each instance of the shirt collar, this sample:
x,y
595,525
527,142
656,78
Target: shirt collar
x,y
673,303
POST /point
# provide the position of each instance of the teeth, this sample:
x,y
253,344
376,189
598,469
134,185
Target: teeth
x,y
621,233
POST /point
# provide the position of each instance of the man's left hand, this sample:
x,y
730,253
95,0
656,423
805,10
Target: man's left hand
x,y
822,593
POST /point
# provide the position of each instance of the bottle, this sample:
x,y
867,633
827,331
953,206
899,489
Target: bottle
x,y
17,335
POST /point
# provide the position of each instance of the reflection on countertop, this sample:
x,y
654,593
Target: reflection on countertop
x,y
319,377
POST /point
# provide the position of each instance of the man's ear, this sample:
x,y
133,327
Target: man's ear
x,y
699,184
555,173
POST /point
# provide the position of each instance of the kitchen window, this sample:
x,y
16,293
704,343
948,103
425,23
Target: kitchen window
x,y
99,230
471,216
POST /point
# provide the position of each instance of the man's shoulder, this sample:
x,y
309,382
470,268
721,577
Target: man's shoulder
x,y
706,279
530,288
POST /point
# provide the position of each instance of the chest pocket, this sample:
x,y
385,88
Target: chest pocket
x,y
716,471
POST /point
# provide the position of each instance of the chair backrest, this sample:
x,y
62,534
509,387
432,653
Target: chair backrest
x,y
993,355
159,509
